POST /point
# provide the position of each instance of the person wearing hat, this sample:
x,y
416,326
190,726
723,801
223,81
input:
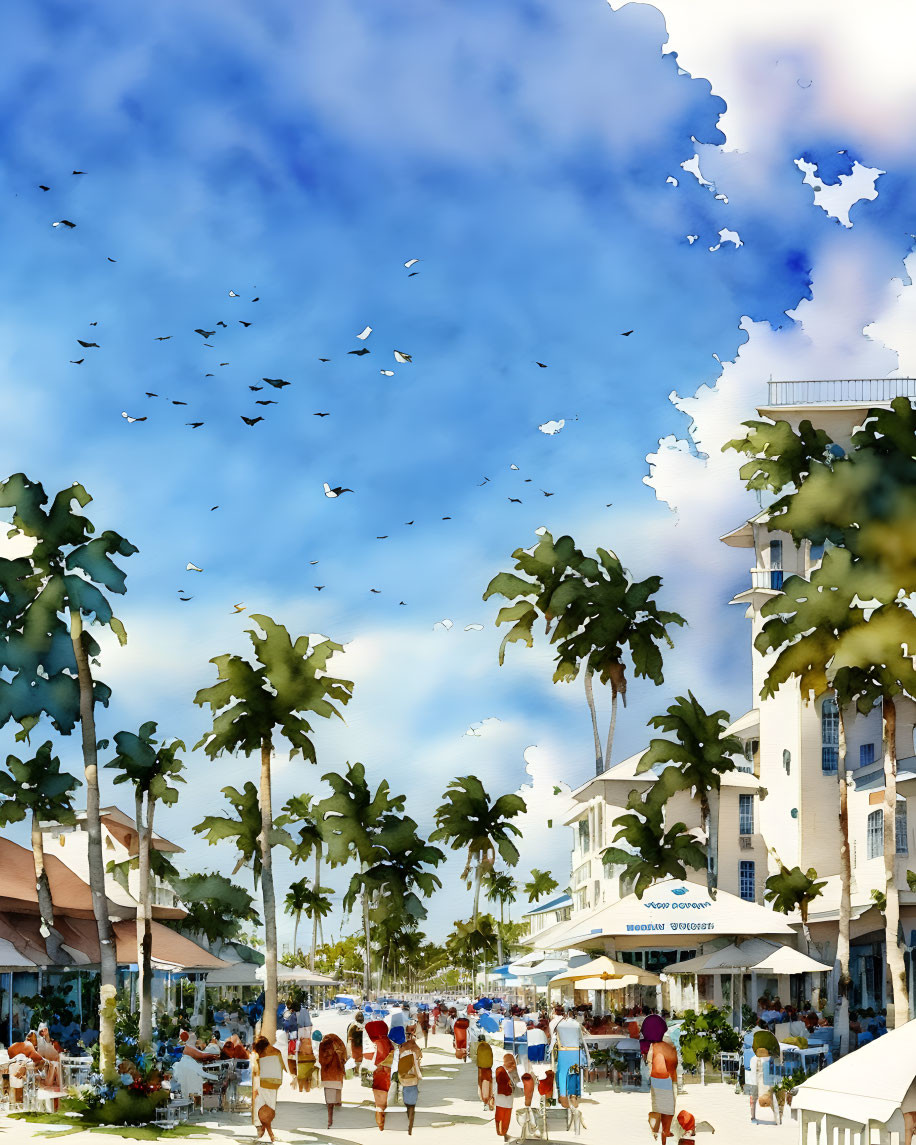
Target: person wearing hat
x,y
377,1032
757,1084
409,1074
484,1057
661,1057
332,1058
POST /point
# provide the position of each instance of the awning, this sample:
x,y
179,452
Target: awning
x,y
755,954
17,889
608,984
235,974
12,960
301,975
868,1084
171,950
676,909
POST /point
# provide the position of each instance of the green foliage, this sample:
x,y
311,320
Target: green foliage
x,y
62,578
705,1035
470,943
38,787
352,817
152,767
160,865
780,456
243,828
879,898
540,885
653,851
794,889
277,693
216,907
467,819
299,812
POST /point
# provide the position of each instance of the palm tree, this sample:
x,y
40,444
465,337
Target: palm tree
x,y
365,827
792,890
472,941
701,752
540,885
502,888
243,827
216,908
38,787
653,851
48,597
594,614
467,819
299,811
295,903
152,768
276,694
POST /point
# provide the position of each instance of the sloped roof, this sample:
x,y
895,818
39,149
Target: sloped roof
x,y
17,886
554,904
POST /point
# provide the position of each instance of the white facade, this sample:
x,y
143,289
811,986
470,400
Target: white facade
x,y
782,806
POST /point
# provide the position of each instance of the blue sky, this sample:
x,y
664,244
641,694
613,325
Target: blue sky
x,y
301,154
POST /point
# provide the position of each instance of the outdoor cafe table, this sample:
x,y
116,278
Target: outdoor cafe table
x,y
811,1055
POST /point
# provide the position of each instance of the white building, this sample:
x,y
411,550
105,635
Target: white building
x,y
782,804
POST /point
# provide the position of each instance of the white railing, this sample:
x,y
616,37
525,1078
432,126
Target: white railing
x,y
767,578
840,390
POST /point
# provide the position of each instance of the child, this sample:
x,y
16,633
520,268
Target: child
x,y
485,1071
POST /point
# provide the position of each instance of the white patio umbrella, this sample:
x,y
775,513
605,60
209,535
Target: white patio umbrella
x,y
301,975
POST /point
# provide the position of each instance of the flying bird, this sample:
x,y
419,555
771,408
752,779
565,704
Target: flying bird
x,y
402,602
364,333
77,361
515,500
359,353
277,383
258,299
131,420
257,389
543,365
150,395
237,608
88,345
335,492
243,323
176,403
204,333
376,590
626,333
383,537
223,324
481,483
410,262
401,357
209,375
162,338
194,424
77,172
319,587
224,363
546,494
408,522
314,562
180,597
192,568
42,187
446,518
387,373
413,274
265,402
64,223
328,414
515,467
250,420
324,359
112,260
232,294
214,507
473,628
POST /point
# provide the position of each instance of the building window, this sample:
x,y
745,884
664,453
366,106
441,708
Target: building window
x,y
583,835
750,750
776,564
817,552
747,880
900,828
875,835
745,815
866,754
830,736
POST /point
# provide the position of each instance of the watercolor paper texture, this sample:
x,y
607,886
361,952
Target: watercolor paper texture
x,y
422,330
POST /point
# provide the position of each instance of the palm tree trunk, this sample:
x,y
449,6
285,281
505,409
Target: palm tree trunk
x,y
298,915
367,972
590,696
269,1021
712,842
609,743
898,1005
108,961
478,879
499,936
315,916
53,943
842,947
144,921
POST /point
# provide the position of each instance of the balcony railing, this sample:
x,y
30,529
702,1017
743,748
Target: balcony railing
x,y
840,391
767,578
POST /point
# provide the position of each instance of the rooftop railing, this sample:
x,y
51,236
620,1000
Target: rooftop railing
x,y
841,391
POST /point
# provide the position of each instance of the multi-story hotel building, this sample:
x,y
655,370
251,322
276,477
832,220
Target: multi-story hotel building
x,y
782,802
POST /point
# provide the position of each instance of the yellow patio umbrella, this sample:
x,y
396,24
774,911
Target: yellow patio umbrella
x,y
603,971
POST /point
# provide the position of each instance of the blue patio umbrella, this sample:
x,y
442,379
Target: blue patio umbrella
x,y
483,1004
489,1023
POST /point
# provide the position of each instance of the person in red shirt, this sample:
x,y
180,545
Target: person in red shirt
x,y
232,1048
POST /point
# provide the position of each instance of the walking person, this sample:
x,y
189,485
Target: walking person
x,y
460,1038
332,1057
377,1032
306,1064
572,1057
505,1096
355,1039
423,1022
484,1055
661,1057
267,1068
410,1057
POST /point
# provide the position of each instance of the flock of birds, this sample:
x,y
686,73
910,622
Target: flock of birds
x,y
401,358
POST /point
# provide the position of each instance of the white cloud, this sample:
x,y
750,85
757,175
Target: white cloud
x,y
552,427
727,236
837,199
